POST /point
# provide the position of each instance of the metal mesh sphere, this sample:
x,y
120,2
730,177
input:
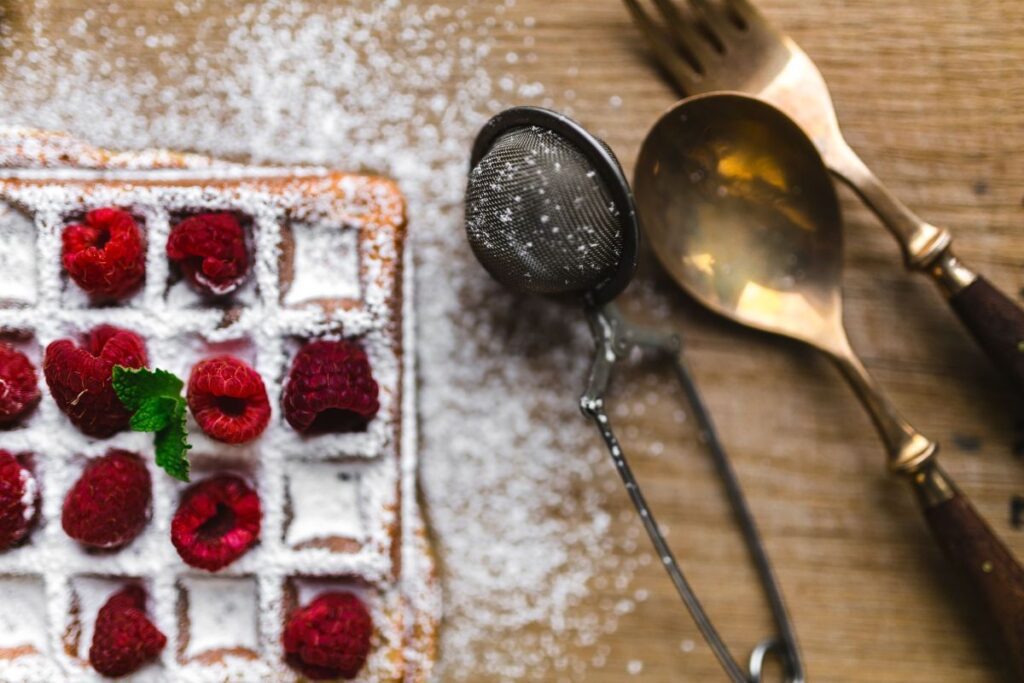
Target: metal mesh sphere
x,y
538,216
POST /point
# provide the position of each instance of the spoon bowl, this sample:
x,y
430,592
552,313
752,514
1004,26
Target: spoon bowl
x,y
740,209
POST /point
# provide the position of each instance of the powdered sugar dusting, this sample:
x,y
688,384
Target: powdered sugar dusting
x,y
77,582
325,502
17,264
222,615
399,88
23,619
325,267
29,492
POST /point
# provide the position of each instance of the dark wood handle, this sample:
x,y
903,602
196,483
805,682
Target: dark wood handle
x,y
989,567
997,322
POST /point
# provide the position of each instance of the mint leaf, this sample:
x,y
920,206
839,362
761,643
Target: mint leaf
x,y
154,414
135,385
154,398
172,445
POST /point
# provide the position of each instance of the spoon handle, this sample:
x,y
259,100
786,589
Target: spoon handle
x,y
990,569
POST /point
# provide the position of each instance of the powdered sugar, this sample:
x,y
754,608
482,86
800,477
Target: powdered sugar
x,y
325,267
23,619
17,264
325,502
30,490
399,88
222,616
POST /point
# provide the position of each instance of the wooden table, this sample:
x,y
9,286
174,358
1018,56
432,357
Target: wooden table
x,y
931,93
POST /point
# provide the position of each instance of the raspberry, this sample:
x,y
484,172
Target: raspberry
x,y
124,638
19,497
217,521
330,637
80,378
330,388
210,250
109,505
19,389
104,255
228,399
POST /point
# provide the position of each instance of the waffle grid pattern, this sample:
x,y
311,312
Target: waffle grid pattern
x,y
266,334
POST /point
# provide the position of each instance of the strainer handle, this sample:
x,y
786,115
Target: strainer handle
x,y
594,409
614,338
785,646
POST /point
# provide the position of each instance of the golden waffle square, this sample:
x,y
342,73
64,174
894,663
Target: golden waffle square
x,y
339,510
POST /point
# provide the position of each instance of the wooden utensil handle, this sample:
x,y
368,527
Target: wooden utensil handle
x,y
989,567
997,322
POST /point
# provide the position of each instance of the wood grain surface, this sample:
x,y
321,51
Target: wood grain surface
x,y
931,94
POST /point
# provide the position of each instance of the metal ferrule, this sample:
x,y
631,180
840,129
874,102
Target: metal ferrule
x,y
951,274
931,485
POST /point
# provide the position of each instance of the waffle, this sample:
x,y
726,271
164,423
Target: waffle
x,y
339,510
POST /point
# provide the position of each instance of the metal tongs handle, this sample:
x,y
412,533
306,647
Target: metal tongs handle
x,y
614,338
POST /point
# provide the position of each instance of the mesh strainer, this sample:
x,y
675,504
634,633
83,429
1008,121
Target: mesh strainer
x,y
549,211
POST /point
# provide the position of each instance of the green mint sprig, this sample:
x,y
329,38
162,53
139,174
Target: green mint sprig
x,y
155,401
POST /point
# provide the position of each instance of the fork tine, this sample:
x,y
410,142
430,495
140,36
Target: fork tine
x,y
681,71
689,40
714,16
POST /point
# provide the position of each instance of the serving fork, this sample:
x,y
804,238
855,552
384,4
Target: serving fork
x,y
730,45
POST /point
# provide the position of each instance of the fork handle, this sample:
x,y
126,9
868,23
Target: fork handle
x,y
997,323
972,547
995,320
920,241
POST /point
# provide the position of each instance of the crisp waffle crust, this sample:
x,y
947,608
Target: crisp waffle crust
x,y
340,510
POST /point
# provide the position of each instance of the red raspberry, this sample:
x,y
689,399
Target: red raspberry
x,y
228,399
19,389
124,638
210,250
217,521
109,505
80,378
19,497
105,255
330,388
330,637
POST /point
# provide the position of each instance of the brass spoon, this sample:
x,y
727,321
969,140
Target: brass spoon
x,y
741,211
